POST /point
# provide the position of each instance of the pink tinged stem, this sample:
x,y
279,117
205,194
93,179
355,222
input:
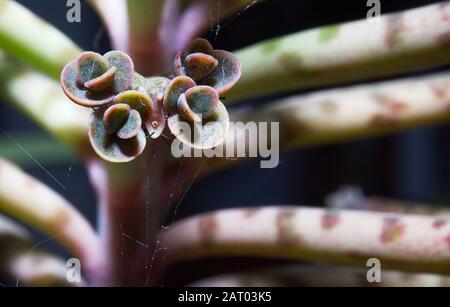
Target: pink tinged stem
x,y
128,220
192,23
22,262
320,276
401,242
146,44
114,15
29,200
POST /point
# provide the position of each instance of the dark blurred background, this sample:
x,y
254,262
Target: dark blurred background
x,y
410,166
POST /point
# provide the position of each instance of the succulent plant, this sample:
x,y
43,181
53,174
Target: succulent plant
x,y
128,107
216,68
93,80
128,110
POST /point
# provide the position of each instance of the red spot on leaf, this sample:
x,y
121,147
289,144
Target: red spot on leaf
x,y
250,212
208,227
392,229
330,220
439,223
447,240
287,234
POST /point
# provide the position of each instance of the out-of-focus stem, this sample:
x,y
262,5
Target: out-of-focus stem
x,y
28,38
321,276
146,44
401,242
28,200
114,15
344,114
129,196
397,43
21,263
360,111
43,100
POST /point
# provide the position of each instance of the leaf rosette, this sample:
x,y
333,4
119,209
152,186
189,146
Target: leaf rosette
x,y
216,68
129,108
93,80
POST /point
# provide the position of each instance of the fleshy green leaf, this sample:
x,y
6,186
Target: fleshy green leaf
x,y
202,100
102,83
198,45
125,69
185,111
137,101
210,133
131,127
156,87
109,146
227,73
92,80
116,116
91,65
200,65
80,95
176,87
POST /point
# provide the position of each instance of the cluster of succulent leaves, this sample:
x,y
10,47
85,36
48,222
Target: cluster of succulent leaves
x,y
129,108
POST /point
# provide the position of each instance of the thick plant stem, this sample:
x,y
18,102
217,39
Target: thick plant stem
x,y
146,41
43,100
130,216
22,264
136,201
33,41
27,199
398,43
401,242
114,15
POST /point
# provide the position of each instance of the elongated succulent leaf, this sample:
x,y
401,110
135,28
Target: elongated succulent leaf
x,y
131,127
